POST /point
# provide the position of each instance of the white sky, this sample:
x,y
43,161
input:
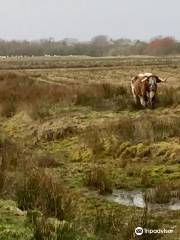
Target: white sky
x,y
83,19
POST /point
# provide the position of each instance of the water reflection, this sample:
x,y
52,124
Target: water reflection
x,y
136,198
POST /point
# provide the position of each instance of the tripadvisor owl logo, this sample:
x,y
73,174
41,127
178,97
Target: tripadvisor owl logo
x,y
139,231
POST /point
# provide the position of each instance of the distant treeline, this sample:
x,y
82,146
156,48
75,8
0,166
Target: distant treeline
x,y
99,46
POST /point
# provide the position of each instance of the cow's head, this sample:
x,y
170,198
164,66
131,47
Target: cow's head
x,y
152,81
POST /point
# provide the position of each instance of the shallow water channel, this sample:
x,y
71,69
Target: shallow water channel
x,y
136,198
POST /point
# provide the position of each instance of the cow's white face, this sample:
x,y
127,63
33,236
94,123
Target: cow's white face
x,y
152,84
152,81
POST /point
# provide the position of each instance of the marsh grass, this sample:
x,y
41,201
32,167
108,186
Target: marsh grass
x,y
147,128
8,109
41,191
93,138
18,89
47,161
51,229
148,221
119,97
111,225
105,96
40,111
8,158
111,91
108,223
126,133
160,194
41,229
131,138
169,96
99,179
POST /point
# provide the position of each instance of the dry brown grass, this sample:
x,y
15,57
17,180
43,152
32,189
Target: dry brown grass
x,y
27,92
17,89
111,225
104,96
98,178
41,191
93,138
8,159
147,128
44,229
163,193
47,161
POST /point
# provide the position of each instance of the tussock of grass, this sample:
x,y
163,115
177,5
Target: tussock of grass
x,y
110,224
38,190
8,158
104,96
93,138
147,128
47,161
129,149
55,230
131,137
162,193
98,178
17,91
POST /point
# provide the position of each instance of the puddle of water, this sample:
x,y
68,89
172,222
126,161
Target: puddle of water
x,y
135,198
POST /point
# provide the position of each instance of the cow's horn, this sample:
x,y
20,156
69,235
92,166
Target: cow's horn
x,y
163,80
144,79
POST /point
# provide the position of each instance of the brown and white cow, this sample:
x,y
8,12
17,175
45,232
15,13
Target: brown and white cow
x,y
144,88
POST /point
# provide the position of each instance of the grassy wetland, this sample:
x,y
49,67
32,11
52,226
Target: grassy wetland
x,y
70,135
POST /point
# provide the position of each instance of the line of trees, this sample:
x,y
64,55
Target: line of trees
x,y
99,46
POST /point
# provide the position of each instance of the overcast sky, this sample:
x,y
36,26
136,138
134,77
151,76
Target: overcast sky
x,y
83,19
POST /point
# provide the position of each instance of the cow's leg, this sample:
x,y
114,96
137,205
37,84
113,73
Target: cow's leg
x,y
136,98
152,99
147,97
143,102
152,102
